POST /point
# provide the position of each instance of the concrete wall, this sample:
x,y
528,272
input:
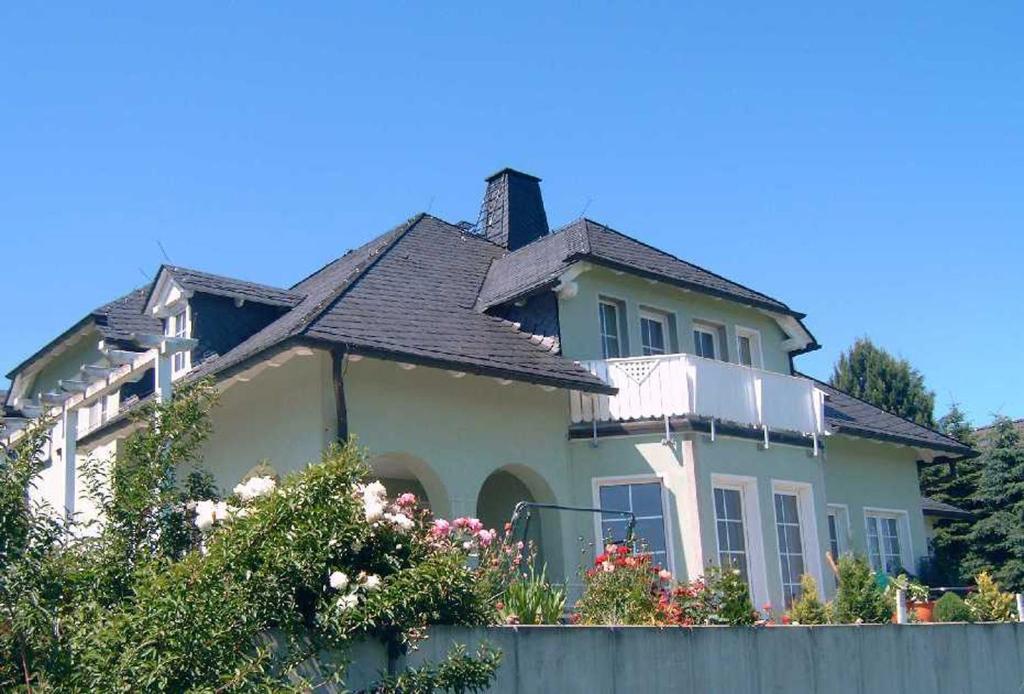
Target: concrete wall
x,y
941,658
580,327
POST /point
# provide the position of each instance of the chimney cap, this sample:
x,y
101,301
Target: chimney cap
x,y
510,170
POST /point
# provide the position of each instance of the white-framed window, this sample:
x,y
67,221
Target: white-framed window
x,y
838,530
654,333
748,347
644,496
611,320
888,540
738,535
797,535
705,341
177,325
730,530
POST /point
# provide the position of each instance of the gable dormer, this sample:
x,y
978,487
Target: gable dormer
x,y
218,312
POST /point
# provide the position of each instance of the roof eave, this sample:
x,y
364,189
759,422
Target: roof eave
x,y
467,367
859,432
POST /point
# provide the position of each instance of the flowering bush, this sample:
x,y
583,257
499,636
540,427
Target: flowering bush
x,y
625,588
321,557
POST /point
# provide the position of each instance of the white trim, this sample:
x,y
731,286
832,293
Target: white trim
x,y
902,518
844,534
756,350
186,355
711,328
597,482
658,316
809,538
753,531
620,324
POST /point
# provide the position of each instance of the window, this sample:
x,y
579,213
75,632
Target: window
x,y
177,326
791,550
645,500
705,341
654,332
732,540
748,347
885,547
611,329
837,531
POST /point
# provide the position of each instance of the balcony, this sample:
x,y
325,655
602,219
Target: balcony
x,y
683,385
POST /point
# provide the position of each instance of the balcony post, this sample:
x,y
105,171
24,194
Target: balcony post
x,y
69,451
164,360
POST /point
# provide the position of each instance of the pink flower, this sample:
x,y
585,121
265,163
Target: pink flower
x,y
485,537
461,522
665,575
440,528
406,499
475,525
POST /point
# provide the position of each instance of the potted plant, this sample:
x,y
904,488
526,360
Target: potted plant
x,y
917,597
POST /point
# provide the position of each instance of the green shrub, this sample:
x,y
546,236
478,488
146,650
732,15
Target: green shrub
x,y
989,604
808,608
530,599
951,608
859,598
729,598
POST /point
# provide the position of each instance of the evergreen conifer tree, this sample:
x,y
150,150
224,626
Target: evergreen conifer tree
x,y
875,376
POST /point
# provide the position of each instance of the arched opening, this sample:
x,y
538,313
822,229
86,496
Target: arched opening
x,y
402,472
498,496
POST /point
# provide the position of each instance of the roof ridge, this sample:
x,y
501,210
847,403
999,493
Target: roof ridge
x,y
681,260
881,409
220,276
350,280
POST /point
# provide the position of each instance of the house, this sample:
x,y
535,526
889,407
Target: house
x,y
490,364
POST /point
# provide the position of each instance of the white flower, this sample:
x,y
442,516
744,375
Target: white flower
x,y
375,489
221,511
373,510
338,580
255,487
370,581
400,519
205,514
347,602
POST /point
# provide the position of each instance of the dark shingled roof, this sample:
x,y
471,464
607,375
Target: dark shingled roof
x,y
934,507
207,283
537,265
122,317
850,415
418,301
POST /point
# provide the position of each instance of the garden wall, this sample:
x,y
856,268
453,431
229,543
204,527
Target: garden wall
x,y
954,658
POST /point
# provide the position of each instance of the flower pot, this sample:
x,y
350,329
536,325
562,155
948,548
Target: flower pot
x,y
923,611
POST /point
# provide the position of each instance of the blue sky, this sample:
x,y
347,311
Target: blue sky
x,y
862,162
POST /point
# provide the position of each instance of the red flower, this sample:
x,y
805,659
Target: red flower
x,y
623,549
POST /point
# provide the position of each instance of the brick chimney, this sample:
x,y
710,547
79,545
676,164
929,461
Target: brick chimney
x,y
513,214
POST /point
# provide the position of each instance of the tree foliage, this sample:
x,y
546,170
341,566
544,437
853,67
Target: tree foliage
x,y
997,539
957,484
875,376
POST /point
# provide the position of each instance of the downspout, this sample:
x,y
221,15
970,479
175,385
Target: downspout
x,y
340,407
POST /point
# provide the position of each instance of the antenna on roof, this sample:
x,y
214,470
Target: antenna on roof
x,y
163,250
143,273
430,205
586,207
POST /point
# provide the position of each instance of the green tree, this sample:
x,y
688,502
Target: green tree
x,y
875,376
953,483
997,541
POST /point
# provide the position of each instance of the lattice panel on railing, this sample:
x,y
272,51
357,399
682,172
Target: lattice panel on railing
x,y
637,371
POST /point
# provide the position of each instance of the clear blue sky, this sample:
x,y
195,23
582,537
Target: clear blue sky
x,y
863,162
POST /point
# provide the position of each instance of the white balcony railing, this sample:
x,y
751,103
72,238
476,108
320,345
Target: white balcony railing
x,y
677,385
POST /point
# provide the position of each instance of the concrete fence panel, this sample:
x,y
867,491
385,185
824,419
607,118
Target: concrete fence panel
x,y
866,659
